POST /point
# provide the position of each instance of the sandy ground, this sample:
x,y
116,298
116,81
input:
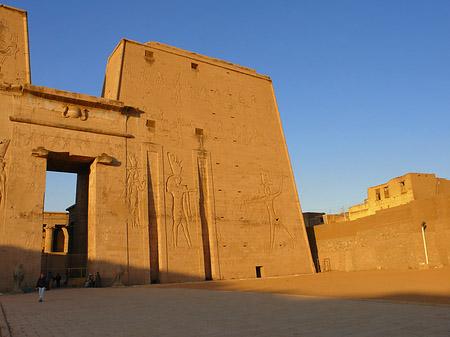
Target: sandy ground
x,y
424,286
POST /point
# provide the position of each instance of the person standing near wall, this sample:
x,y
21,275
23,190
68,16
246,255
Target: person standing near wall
x,y
98,281
41,285
58,280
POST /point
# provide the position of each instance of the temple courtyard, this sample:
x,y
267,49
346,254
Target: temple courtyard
x,y
372,303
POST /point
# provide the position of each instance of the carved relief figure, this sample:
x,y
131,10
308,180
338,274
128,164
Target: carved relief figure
x,y
18,276
8,43
3,148
134,186
270,109
274,220
181,204
118,279
160,80
178,87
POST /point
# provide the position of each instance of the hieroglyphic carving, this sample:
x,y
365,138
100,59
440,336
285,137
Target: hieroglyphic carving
x,y
22,139
134,186
270,110
160,80
242,100
192,92
178,87
229,102
58,141
8,43
181,201
274,220
3,148
204,95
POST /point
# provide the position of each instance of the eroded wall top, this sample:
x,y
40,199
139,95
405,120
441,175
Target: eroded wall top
x,y
14,49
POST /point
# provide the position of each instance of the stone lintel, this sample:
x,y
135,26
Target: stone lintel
x,y
77,99
68,127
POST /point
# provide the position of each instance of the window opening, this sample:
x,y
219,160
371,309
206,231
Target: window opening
x,y
150,123
386,191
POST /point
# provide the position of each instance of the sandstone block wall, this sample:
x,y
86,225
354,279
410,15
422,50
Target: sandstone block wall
x,y
390,239
183,171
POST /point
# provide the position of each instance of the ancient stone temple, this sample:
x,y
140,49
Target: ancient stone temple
x,y
182,168
403,224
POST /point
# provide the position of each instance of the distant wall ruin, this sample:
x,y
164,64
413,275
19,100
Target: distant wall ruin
x,y
392,237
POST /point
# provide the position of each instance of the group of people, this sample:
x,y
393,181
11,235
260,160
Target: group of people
x,y
53,281
43,283
93,283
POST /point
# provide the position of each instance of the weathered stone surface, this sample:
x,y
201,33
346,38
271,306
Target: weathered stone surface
x,y
390,236
14,50
183,171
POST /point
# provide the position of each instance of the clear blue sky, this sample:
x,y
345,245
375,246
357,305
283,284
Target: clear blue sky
x,y
363,87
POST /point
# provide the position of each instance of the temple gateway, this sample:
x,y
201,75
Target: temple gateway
x,y
183,172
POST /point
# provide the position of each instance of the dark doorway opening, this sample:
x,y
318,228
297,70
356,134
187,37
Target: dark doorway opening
x,y
258,271
65,231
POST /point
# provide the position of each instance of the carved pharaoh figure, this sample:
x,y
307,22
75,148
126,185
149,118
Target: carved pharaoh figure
x,y
274,220
181,205
8,45
134,186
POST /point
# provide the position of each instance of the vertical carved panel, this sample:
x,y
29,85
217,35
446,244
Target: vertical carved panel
x,y
207,215
181,202
153,215
135,185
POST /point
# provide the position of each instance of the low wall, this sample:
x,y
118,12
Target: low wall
x,y
390,239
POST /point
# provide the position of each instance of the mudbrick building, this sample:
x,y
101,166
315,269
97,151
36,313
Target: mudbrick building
x,y
182,169
403,224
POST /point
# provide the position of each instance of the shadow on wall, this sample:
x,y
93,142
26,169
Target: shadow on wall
x,y
12,257
313,248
